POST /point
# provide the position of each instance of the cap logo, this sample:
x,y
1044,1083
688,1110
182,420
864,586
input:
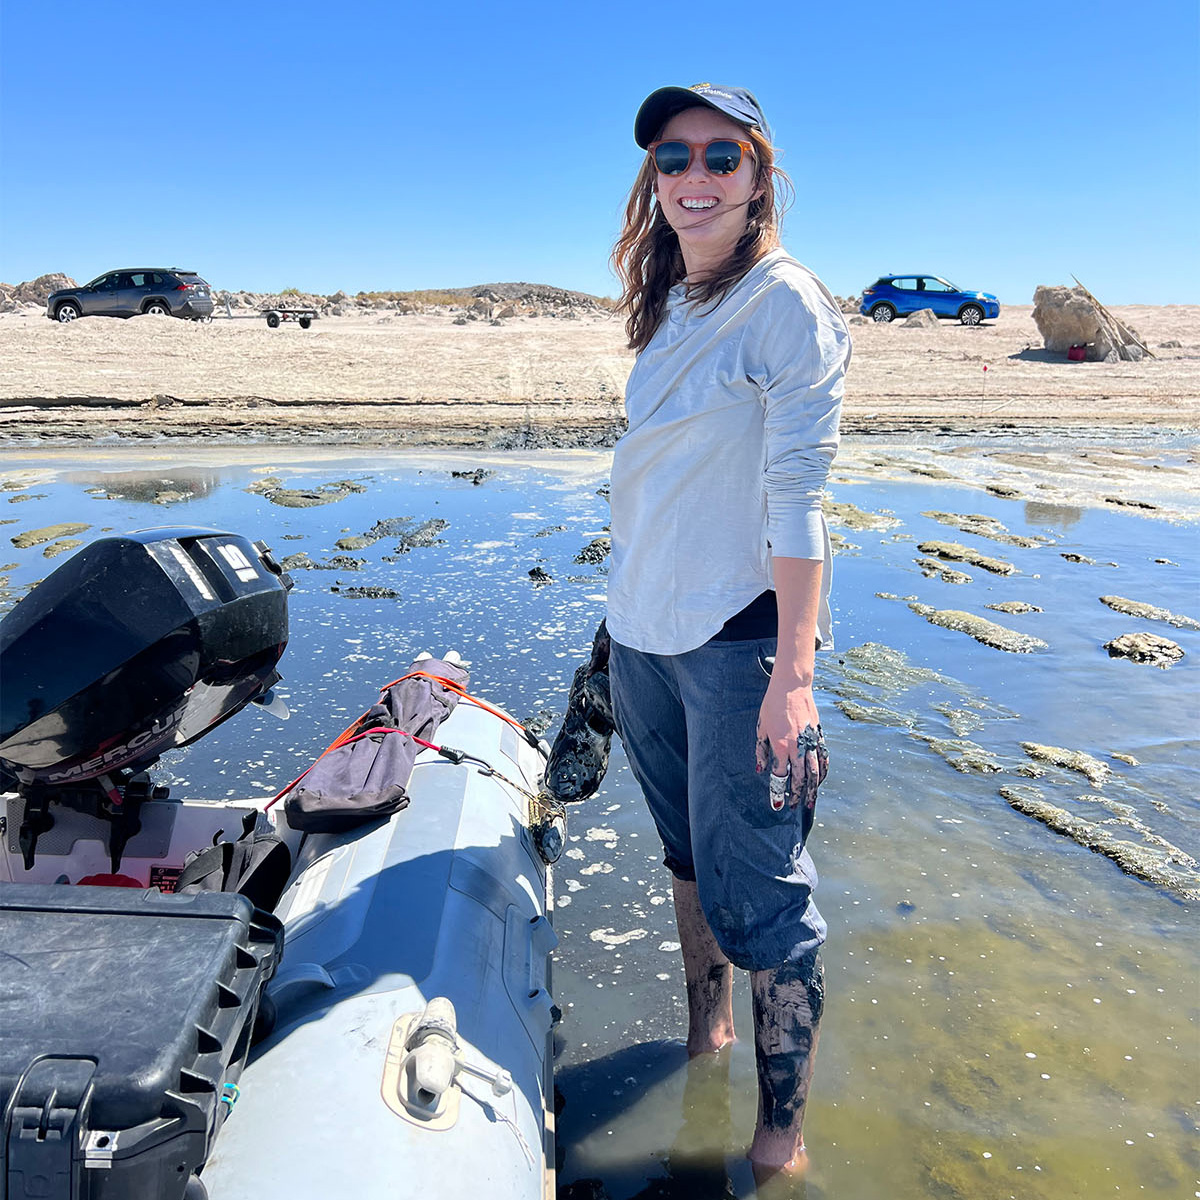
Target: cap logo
x,y
708,87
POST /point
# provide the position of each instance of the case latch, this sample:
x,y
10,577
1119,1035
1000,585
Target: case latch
x,y
45,1130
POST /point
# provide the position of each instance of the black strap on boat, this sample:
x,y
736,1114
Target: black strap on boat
x,y
257,865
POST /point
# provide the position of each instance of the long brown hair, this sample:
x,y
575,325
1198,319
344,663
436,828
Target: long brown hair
x,y
647,258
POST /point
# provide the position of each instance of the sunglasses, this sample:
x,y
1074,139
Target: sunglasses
x,y
722,156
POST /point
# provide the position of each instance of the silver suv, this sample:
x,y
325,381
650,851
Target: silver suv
x,y
161,291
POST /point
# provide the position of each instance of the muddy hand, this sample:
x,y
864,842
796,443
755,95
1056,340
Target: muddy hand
x,y
810,767
790,745
766,760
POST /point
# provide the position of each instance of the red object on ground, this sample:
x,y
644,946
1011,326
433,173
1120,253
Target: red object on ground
x,y
1077,353
110,881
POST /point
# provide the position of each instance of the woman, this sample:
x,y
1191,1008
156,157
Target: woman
x,y
719,581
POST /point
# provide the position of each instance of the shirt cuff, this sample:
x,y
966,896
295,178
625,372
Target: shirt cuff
x,y
798,531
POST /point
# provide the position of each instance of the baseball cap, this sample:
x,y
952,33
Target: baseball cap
x,y
660,106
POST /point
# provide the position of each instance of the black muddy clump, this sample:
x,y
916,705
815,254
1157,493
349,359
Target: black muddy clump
x,y
595,552
366,593
411,535
1123,503
1083,558
537,723
549,530
476,477
339,562
420,537
579,756
540,576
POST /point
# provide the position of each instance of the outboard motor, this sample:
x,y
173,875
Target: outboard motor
x,y
134,646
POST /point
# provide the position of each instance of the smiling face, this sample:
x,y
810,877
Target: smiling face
x,y
708,212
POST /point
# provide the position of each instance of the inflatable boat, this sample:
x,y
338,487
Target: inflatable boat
x,y
341,990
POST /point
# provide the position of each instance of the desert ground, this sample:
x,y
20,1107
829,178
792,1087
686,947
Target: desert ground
x,y
387,377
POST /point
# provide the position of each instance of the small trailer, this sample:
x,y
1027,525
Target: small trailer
x,y
304,317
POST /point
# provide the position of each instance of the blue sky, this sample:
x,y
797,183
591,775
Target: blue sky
x,y
396,145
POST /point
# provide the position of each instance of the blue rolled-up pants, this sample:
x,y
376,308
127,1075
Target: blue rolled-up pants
x,y
688,723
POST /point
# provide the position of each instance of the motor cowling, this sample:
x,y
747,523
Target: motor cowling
x,y
137,645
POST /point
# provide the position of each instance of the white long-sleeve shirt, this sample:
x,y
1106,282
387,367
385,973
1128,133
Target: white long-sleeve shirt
x,y
733,424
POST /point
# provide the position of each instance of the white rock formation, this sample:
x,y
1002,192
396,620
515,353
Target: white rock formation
x,y
1068,317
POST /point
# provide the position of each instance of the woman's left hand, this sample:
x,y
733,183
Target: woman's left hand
x,y
790,740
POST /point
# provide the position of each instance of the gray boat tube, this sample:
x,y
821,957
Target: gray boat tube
x,y
412,1048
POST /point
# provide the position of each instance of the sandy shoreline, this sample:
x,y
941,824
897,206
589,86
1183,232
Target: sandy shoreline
x,y
421,380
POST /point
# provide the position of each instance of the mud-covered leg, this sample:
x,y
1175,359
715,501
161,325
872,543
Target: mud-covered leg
x,y
787,1015
708,972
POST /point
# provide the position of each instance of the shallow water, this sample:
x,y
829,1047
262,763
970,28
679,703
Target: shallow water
x,y
1008,1014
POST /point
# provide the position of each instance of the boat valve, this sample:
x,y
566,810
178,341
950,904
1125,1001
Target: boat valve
x,y
429,1061
430,1056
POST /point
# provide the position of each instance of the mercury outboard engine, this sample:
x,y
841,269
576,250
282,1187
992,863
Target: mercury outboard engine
x,y
134,646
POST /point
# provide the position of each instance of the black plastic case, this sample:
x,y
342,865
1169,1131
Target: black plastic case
x,y
125,1021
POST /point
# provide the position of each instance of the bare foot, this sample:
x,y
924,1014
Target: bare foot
x,y
779,1181
712,1043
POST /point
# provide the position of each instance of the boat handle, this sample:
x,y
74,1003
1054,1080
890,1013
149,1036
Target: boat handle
x,y
298,976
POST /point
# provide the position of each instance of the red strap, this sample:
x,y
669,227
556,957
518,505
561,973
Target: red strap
x,y
352,733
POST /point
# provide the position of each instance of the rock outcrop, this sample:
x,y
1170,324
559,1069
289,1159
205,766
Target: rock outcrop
x,y
486,302
923,318
35,291
1068,317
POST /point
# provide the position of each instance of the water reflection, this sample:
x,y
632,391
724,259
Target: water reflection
x,y
1051,516
150,487
684,1136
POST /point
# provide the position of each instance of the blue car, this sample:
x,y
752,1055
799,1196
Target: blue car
x,y
898,295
